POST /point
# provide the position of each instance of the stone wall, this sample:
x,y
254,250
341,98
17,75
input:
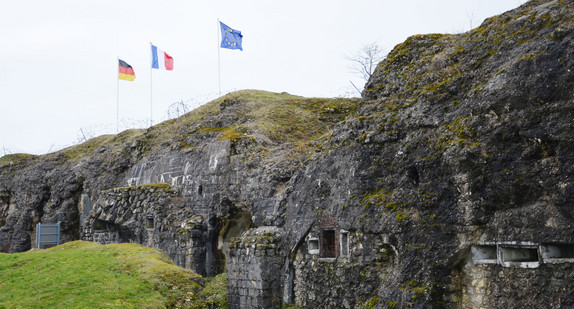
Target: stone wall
x,y
493,282
255,267
493,286
345,281
152,215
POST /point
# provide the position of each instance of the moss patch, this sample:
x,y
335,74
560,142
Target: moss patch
x,y
387,200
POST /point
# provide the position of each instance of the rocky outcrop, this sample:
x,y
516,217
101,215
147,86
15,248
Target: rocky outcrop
x,y
463,141
448,185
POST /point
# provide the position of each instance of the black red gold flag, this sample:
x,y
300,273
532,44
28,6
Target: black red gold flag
x,y
126,71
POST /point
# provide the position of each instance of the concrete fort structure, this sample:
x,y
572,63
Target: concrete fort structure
x,y
449,184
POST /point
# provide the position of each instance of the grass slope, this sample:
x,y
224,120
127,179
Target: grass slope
x,y
87,275
280,117
15,158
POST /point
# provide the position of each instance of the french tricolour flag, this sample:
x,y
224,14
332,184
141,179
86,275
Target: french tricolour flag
x,y
160,59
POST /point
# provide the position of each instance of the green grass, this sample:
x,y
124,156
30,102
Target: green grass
x,y
257,123
169,129
281,117
215,293
79,151
15,158
86,275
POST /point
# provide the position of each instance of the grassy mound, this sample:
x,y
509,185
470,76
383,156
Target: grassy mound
x,y
278,117
15,158
281,117
87,275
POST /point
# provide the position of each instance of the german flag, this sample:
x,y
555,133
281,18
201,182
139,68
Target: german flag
x,y
126,71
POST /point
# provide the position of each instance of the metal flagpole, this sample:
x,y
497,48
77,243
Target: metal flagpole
x,y
118,99
218,55
150,86
355,87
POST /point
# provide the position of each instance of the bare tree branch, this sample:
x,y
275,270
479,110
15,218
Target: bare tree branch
x,y
366,60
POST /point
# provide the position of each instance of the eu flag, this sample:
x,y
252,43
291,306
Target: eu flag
x,y
230,38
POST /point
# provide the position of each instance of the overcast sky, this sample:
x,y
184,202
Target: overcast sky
x,y
59,69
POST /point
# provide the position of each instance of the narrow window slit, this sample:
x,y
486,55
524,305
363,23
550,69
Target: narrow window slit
x,y
150,222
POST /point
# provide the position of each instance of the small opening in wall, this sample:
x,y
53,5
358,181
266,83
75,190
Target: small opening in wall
x,y
344,243
484,254
99,225
328,247
519,256
200,190
313,245
150,224
556,252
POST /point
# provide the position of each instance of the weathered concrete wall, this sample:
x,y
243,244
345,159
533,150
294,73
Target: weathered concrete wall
x,y
152,215
345,281
214,180
255,265
525,283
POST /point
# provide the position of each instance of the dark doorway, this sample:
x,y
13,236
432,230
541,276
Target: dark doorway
x,y
328,244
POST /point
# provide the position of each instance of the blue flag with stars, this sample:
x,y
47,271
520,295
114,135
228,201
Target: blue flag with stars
x,y
230,38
